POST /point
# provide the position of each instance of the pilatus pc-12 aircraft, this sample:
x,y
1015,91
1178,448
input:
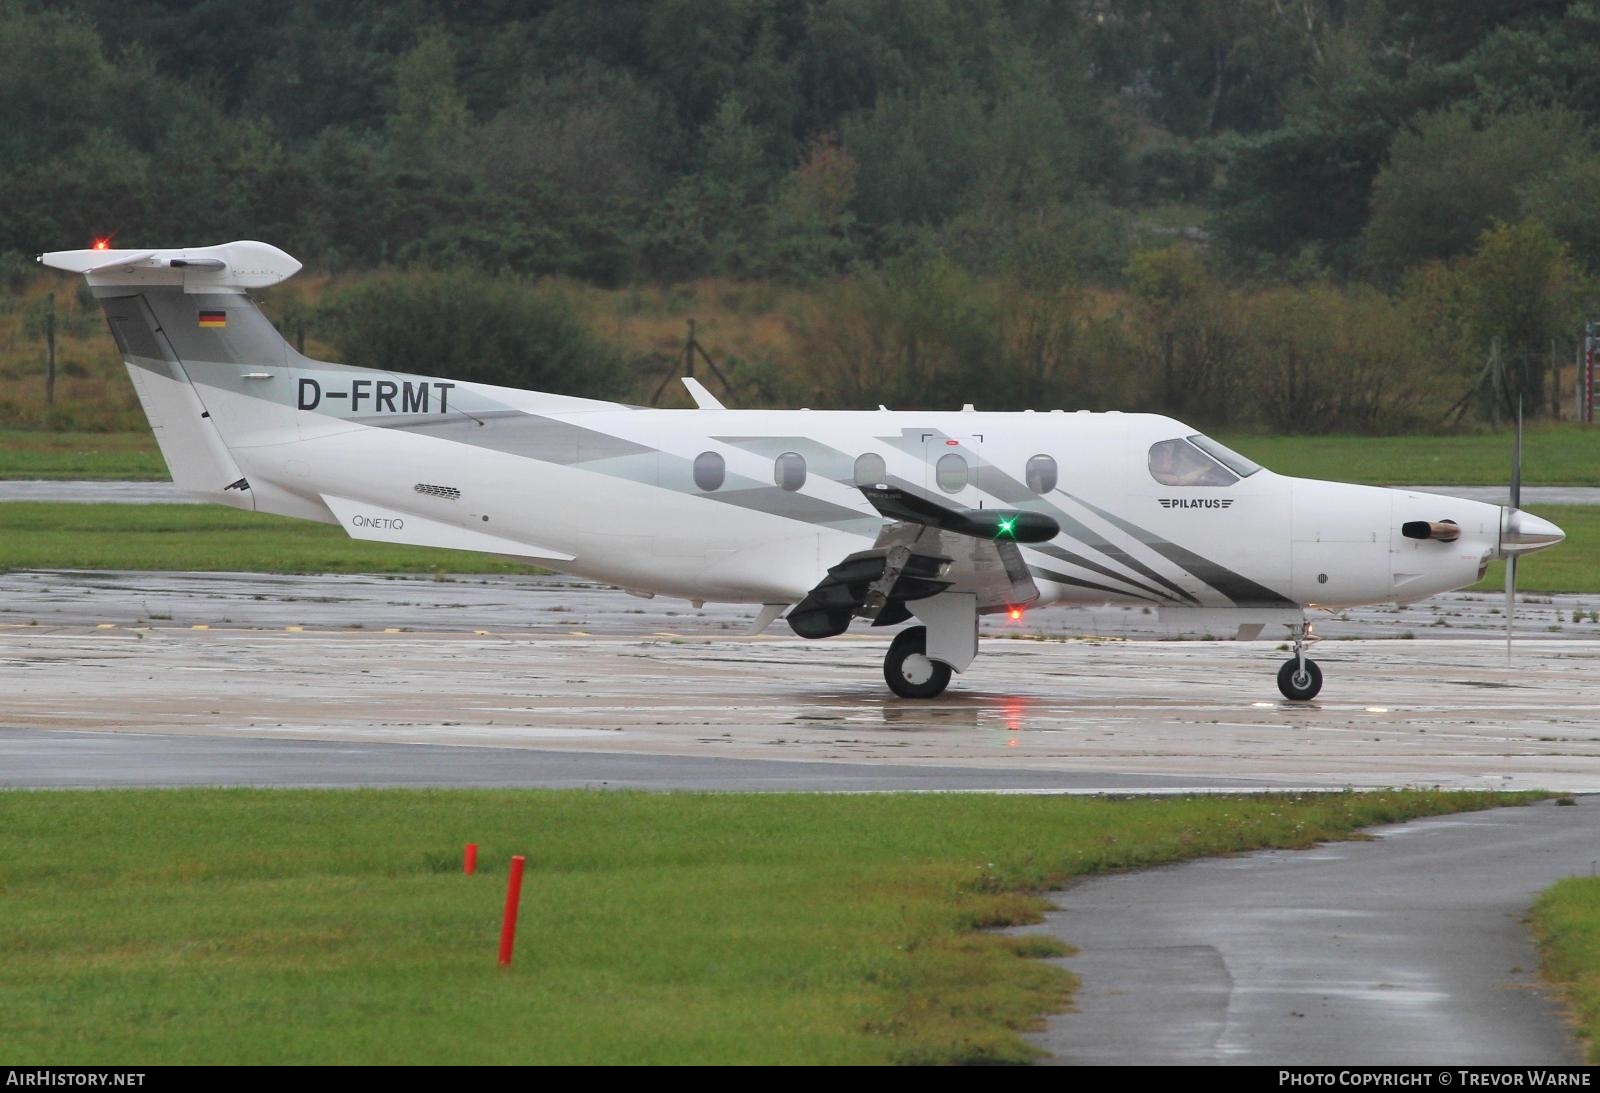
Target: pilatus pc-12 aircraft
x,y
820,517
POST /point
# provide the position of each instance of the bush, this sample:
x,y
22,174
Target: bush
x,y
923,333
1325,360
469,325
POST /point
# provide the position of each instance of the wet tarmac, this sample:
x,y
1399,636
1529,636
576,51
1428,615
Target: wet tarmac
x,y
94,492
560,666
555,605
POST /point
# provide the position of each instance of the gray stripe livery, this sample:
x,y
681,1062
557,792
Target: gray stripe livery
x,y
158,329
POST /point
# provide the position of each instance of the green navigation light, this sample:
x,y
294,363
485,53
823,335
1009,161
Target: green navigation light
x,y
1007,527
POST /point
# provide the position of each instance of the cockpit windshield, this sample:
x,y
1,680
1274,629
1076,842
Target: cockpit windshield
x,y
1198,461
1229,458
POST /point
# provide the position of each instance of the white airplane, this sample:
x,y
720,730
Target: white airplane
x,y
820,517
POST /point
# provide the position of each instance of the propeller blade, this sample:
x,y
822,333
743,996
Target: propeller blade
x,y
1511,600
1516,462
1516,503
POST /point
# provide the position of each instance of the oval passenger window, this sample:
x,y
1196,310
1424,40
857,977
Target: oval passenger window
x,y
790,471
1041,474
709,471
952,473
871,470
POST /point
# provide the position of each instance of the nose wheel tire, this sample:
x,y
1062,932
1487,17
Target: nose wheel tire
x,y
1297,686
908,670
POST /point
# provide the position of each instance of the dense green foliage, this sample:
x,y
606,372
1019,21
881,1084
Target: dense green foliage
x,y
469,325
293,926
1312,214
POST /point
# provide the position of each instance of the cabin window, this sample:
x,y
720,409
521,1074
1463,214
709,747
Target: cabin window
x,y
709,471
1179,463
1041,474
870,470
951,472
789,471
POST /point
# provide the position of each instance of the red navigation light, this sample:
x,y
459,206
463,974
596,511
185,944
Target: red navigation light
x,y
102,243
952,444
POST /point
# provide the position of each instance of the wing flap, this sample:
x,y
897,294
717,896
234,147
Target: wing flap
x,y
926,550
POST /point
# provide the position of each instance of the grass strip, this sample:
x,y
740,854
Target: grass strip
x,y
1566,920
304,926
1565,455
124,457
62,535
1552,455
58,535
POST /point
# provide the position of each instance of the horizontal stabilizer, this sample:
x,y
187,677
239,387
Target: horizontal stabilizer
x,y
363,521
229,267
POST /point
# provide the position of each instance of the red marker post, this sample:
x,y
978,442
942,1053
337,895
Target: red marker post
x,y
469,864
508,930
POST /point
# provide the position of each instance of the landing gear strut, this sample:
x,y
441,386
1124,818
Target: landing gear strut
x,y
1300,679
909,671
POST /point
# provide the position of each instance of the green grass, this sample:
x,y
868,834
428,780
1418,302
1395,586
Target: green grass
x,y
1564,455
1567,921
1552,455
53,535
281,926
26,453
50,535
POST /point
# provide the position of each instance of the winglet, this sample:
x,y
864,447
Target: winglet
x,y
704,399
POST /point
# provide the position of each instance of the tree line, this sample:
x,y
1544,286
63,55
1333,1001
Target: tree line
x,y
1170,185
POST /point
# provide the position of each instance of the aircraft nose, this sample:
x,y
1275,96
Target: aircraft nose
x,y
1523,533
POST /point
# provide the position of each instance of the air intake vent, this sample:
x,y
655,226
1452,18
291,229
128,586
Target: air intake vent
x,y
449,492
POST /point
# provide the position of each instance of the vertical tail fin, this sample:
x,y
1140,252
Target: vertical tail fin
x,y
210,370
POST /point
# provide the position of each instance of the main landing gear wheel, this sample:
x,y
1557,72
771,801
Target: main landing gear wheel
x,y
1298,686
907,669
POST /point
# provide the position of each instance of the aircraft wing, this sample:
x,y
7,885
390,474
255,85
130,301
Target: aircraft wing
x,y
927,548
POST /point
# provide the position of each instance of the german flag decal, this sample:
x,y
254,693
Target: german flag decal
x,y
216,320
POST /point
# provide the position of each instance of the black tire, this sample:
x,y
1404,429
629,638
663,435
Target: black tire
x,y
1303,689
922,678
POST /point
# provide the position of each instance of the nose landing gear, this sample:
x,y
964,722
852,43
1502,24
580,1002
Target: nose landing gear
x,y
1300,679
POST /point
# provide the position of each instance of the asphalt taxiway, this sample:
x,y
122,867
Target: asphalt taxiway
x,y
551,666
1406,950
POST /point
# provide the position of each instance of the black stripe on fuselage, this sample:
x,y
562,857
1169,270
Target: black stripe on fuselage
x,y
1240,589
1062,578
